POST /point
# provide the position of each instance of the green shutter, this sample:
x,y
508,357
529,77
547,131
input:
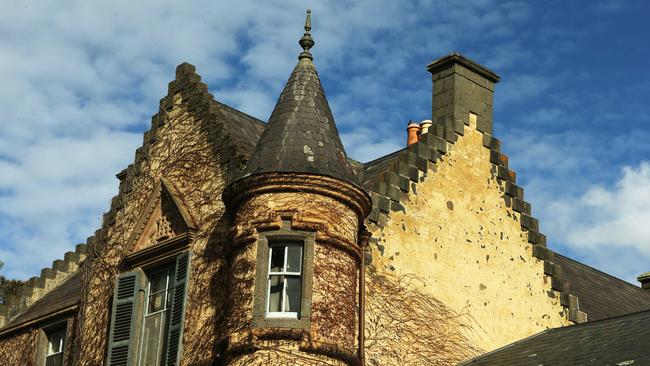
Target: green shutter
x,y
175,335
126,314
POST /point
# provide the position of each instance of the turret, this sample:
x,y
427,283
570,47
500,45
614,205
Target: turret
x,y
297,211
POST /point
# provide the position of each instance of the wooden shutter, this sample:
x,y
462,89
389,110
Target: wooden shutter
x,y
175,335
125,318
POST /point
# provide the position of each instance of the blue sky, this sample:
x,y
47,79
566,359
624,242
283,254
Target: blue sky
x,y
80,82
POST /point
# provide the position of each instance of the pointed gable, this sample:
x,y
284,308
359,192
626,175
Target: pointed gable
x,y
165,218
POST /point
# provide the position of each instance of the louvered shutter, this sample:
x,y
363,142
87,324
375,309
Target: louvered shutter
x,y
126,315
175,335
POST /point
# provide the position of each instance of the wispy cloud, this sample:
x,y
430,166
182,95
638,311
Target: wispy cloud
x,y
608,219
81,80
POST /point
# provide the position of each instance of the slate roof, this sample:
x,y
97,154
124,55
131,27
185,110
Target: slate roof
x,y
63,296
373,169
246,130
600,295
301,134
619,341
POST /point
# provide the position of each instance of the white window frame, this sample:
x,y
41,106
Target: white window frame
x,y
286,245
49,351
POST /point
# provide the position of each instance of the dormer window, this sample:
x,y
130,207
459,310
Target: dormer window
x,y
285,279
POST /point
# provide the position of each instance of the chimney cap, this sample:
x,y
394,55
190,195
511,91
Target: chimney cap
x,y
412,124
457,58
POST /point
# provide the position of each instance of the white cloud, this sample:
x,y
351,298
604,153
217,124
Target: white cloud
x,y
616,216
585,205
606,225
365,144
81,80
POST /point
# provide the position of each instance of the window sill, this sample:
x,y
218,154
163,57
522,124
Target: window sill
x,y
295,323
279,315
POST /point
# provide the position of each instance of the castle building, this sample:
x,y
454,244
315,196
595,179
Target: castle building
x,y
235,241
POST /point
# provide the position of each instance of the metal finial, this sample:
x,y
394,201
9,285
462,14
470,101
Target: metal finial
x,y
306,42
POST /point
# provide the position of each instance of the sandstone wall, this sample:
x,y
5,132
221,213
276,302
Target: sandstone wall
x,y
188,146
331,337
19,349
463,247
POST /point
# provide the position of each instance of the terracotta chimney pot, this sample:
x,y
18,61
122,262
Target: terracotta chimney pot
x,y
413,131
424,126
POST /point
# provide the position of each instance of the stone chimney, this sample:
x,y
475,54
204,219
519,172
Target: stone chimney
x,y
644,278
460,87
413,133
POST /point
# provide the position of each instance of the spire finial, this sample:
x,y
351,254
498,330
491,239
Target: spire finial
x,y
306,42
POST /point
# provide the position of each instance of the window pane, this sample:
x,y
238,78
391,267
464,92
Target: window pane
x,y
158,282
156,302
277,258
293,294
275,293
153,339
294,258
55,341
170,298
54,360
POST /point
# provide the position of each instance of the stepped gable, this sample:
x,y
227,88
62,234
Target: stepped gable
x,y
301,135
38,287
616,341
389,179
241,129
601,295
63,297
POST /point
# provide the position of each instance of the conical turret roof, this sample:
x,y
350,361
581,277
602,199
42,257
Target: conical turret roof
x,y
301,134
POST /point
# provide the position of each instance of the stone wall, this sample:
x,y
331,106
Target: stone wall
x,y
330,337
189,146
36,287
465,244
19,349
